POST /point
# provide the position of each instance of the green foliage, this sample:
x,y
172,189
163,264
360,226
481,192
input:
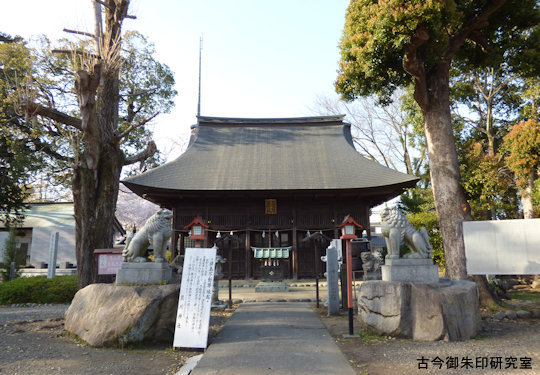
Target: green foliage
x,y
146,88
489,185
376,35
530,96
523,145
374,39
370,337
60,289
525,295
11,254
17,157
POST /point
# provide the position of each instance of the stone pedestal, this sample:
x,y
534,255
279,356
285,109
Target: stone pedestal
x,y
447,310
372,275
410,270
146,273
271,287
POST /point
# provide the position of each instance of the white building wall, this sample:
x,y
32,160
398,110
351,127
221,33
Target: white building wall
x,y
3,237
41,237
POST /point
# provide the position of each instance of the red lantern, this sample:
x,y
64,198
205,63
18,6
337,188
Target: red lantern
x,y
197,231
348,228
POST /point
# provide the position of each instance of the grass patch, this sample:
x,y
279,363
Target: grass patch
x,y
525,295
74,337
60,289
370,337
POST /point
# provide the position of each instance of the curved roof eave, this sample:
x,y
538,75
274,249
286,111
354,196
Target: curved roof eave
x,y
313,153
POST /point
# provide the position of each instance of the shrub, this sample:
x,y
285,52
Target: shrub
x,y
60,289
11,254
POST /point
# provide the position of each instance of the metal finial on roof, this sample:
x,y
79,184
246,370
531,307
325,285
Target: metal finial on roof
x,y
200,54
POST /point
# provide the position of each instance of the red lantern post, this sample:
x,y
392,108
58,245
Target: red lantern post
x,y
348,229
196,231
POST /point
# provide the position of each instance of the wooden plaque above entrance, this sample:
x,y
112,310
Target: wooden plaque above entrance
x,y
270,206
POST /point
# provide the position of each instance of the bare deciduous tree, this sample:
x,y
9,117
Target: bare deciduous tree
x,y
94,135
380,133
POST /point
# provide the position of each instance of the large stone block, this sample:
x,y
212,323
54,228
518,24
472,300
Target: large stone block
x,y
110,315
448,310
410,270
145,273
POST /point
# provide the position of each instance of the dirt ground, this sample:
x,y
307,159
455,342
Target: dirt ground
x,y
38,346
32,343
515,341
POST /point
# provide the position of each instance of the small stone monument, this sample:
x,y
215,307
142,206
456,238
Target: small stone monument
x,y
135,267
417,266
332,276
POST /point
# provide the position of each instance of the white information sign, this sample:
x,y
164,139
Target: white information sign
x,y
505,247
195,301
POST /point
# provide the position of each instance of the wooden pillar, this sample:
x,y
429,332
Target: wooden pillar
x,y
182,249
295,246
174,244
174,237
248,254
207,232
336,230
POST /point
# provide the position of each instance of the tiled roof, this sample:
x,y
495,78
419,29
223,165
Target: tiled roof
x,y
310,153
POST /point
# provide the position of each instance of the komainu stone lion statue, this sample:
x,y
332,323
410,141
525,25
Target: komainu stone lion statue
x,y
156,232
396,228
370,263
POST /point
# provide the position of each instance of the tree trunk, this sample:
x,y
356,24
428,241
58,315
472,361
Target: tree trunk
x,y
526,198
445,175
94,196
450,202
96,178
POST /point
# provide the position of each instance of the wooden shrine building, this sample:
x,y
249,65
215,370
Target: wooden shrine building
x,y
270,182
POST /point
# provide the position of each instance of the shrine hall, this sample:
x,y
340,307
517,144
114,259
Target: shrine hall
x,y
271,183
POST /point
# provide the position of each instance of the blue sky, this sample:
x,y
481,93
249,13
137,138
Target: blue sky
x,y
260,58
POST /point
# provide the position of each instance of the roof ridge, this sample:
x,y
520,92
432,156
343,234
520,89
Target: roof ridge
x,y
311,120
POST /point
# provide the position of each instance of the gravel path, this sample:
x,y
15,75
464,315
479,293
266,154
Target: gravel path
x,y
32,312
514,341
32,343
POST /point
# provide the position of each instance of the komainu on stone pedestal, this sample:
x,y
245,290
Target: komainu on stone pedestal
x,y
135,269
416,266
396,229
156,232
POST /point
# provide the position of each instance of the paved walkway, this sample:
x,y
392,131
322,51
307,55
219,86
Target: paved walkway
x,y
273,338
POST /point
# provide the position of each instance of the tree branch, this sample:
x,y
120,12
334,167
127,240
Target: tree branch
x,y
43,146
139,93
478,21
413,65
37,109
79,32
104,4
135,126
150,150
480,40
82,53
